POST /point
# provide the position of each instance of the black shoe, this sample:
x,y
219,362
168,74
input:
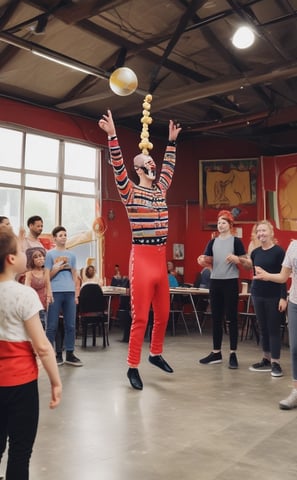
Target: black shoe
x,y
71,359
276,370
213,357
60,361
263,366
233,363
159,361
134,378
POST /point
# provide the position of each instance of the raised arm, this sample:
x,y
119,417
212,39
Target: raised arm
x,y
174,130
106,123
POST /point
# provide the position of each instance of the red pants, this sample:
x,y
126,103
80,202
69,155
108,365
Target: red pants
x,y
148,286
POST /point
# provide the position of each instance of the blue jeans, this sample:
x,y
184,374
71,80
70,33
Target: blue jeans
x,y
42,316
64,302
292,323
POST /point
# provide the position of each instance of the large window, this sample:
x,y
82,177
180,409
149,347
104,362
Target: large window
x,y
54,178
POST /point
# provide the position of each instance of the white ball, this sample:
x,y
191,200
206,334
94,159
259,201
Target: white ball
x,y
123,81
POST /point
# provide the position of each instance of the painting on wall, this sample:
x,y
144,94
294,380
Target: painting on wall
x,y
178,251
228,185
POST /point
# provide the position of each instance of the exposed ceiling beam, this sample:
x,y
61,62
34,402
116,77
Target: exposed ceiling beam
x,y
215,87
192,7
208,89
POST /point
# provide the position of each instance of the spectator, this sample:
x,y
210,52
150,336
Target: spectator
x,y
223,252
31,242
39,281
289,267
60,265
21,339
117,277
269,299
4,221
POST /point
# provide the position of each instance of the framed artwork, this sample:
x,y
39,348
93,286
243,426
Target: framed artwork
x,y
178,251
179,270
228,185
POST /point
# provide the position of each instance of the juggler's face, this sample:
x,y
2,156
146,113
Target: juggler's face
x,y
147,164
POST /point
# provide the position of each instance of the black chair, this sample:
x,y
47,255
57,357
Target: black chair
x,y
92,313
176,312
249,324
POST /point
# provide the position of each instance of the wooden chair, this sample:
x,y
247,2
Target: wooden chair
x,y
92,313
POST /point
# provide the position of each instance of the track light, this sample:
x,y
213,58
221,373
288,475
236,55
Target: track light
x,y
244,37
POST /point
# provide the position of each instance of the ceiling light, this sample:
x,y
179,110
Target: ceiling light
x,y
69,63
244,37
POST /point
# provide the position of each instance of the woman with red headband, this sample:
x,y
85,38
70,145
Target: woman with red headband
x,y
223,252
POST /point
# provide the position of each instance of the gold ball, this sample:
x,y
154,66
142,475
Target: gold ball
x,y
123,81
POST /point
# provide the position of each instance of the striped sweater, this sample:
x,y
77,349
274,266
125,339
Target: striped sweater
x,y
146,207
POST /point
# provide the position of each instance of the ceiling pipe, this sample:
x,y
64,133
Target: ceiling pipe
x,y
53,56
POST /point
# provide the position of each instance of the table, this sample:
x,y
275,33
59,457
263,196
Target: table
x,y
191,292
110,291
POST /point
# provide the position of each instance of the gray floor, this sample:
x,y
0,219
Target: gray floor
x,y
202,422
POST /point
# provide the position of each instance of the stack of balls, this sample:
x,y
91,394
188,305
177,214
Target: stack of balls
x,y
145,145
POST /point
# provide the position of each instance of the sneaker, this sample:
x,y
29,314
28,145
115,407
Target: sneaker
x,y
290,402
263,366
59,358
211,358
233,363
71,359
276,370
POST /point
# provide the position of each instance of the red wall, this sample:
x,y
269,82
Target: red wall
x,y
183,196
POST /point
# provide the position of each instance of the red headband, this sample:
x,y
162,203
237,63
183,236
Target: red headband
x,y
227,216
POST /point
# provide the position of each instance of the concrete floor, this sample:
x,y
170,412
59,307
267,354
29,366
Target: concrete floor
x,y
202,422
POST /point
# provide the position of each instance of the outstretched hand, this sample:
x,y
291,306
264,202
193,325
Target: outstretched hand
x,y
174,129
260,274
106,124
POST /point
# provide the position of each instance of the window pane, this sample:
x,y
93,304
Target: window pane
x,y
41,153
43,204
10,177
76,186
83,252
80,161
78,215
10,201
10,148
41,181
